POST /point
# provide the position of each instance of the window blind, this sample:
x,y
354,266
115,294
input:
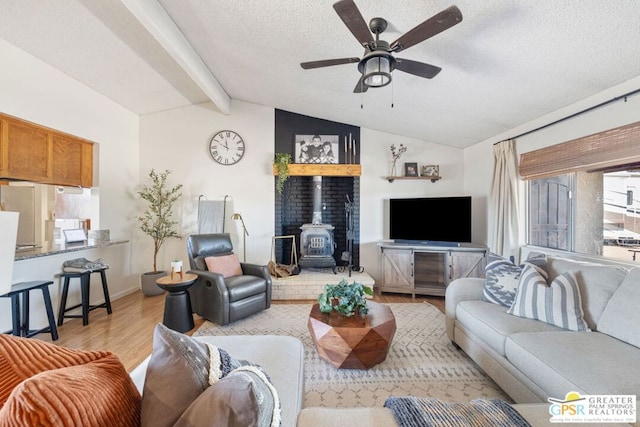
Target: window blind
x,y
602,150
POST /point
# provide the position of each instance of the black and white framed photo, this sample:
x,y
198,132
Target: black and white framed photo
x,y
317,149
410,169
430,170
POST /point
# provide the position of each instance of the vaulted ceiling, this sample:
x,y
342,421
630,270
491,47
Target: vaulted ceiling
x,y
508,62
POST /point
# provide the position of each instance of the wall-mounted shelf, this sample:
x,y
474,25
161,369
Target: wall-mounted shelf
x,y
296,169
432,178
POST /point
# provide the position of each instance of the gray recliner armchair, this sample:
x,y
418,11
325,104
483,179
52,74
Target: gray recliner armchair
x,y
225,300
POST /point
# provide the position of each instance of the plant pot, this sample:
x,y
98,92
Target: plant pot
x,y
339,320
148,283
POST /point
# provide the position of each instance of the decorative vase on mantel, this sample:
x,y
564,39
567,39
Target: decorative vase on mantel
x,y
393,168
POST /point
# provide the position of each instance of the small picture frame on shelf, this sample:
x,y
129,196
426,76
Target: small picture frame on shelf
x,y
410,169
430,170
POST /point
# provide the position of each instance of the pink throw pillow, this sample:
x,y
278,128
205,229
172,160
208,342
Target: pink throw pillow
x,y
227,265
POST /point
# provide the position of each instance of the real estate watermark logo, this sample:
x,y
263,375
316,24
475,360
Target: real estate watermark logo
x,y
592,408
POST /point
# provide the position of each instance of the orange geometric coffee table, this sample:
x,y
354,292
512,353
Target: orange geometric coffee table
x,y
346,344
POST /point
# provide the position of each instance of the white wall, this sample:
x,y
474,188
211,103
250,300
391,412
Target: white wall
x,y
478,159
178,140
34,91
375,191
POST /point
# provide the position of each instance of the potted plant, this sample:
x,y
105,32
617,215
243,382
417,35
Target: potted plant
x,y
281,163
156,222
348,300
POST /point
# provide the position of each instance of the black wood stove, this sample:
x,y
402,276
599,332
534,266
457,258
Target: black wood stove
x,y
316,239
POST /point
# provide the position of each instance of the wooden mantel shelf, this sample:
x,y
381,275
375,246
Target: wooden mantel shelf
x,y
323,170
432,178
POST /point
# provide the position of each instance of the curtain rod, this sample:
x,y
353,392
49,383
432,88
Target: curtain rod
x,y
617,98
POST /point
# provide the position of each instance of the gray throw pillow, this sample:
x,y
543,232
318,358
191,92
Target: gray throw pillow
x,y
179,370
245,397
502,277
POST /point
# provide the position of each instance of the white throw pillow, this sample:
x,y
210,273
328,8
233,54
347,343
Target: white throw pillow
x,y
558,304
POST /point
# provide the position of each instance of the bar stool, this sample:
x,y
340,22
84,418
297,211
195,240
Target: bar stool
x,y
22,328
85,281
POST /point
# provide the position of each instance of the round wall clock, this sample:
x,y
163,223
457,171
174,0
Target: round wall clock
x,y
226,147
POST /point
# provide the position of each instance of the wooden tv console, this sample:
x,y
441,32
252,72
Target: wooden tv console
x,y
423,269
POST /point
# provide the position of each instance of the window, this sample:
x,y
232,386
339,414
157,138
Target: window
x,y
594,213
621,220
582,194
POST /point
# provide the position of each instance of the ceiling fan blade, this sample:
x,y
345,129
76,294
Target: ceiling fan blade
x,y
360,86
328,62
352,18
429,28
416,68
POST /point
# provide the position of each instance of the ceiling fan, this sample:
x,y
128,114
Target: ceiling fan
x,y
378,61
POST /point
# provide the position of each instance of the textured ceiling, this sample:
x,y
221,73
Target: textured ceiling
x,y
508,62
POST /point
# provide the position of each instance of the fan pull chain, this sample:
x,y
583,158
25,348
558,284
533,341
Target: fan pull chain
x,y
361,94
392,84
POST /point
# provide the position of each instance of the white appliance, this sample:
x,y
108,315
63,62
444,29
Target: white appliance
x,y
8,235
21,198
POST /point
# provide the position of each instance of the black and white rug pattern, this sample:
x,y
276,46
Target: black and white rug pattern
x,y
421,362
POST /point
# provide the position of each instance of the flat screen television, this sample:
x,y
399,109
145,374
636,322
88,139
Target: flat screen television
x,y
430,220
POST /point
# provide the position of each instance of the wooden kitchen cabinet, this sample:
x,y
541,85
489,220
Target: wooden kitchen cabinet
x,y
25,150
31,152
72,161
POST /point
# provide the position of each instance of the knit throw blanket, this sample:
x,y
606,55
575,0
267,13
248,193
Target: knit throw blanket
x,y
427,412
82,265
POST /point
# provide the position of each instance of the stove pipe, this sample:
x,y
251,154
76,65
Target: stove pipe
x,y
317,200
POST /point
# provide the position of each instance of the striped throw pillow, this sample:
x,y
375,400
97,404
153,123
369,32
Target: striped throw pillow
x,y
558,304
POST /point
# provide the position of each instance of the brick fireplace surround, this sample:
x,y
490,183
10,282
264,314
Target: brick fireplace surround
x,y
294,208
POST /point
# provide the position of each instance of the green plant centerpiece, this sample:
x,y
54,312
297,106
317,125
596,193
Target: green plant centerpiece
x,y
344,298
157,222
281,163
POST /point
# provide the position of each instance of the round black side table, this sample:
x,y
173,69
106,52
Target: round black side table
x,y
177,306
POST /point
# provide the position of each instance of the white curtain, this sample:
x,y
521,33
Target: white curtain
x,y
503,201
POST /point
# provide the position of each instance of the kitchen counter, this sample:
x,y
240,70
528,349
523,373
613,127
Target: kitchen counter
x,y
59,248
45,264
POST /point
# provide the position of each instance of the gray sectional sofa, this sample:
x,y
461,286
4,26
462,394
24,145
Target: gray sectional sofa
x,y
532,360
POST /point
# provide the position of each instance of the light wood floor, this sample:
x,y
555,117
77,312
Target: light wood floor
x,y
128,331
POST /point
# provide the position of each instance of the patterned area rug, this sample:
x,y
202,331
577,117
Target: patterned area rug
x,y
421,362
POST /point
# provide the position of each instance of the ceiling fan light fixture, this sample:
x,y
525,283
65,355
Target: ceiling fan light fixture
x,y
377,71
378,62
